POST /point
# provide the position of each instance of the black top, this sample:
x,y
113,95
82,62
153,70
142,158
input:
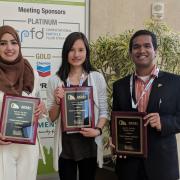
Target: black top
x,y
77,147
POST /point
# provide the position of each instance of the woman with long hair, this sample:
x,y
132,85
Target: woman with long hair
x,y
82,150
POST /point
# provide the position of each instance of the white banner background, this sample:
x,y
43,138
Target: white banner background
x,y
42,29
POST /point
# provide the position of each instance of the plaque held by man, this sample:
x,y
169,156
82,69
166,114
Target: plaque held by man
x,y
77,108
129,135
18,122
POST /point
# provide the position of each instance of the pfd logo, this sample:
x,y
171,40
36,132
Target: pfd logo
x,y
33,33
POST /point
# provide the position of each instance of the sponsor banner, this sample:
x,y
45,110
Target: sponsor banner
x,y
42,26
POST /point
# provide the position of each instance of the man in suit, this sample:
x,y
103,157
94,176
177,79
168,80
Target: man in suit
x,y
158,93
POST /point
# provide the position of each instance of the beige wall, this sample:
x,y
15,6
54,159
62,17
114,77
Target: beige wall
x,y
115,16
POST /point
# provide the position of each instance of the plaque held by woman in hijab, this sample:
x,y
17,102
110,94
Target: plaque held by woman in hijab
x,y
18,122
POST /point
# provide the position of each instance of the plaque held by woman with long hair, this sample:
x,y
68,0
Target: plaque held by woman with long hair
x,y
77,108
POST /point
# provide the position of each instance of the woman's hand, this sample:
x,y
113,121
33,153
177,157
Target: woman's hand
x,y
58,94
2,142
41,109
89,132
54,111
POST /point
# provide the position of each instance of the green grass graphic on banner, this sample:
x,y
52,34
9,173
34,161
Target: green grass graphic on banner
x,y
48,167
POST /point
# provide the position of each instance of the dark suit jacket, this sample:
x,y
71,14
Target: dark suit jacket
x,y
162,161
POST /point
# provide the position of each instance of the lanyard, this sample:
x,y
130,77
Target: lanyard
x,y
134,106
80,81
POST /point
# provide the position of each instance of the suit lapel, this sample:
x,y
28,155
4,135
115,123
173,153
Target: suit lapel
x,y
154,97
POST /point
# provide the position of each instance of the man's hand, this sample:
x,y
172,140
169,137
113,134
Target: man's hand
x,y
154,120
112,146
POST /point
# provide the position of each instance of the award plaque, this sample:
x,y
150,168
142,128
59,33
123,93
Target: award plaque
x,y
77,108
129,135
18,123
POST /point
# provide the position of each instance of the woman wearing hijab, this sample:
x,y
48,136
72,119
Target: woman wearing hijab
x,y
17,161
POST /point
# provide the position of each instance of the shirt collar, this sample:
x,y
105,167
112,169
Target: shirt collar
x,y
154,72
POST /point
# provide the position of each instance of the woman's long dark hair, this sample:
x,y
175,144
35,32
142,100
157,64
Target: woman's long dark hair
x,y
65,67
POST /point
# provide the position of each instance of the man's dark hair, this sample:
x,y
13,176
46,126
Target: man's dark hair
x,y
143,32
